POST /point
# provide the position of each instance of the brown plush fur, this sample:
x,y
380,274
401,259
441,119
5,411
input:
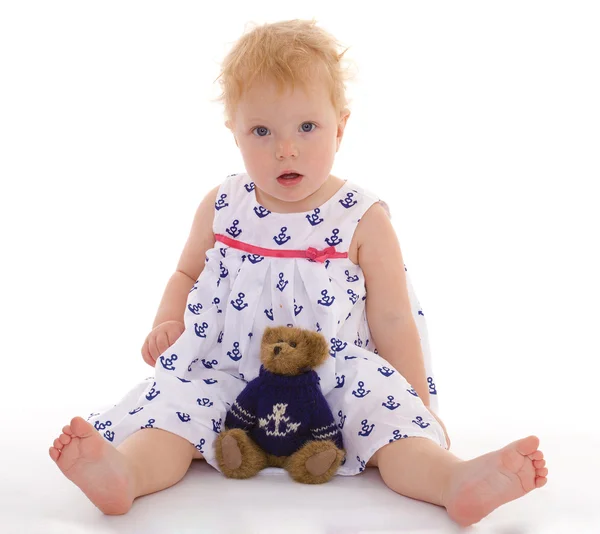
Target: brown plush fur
x,y
317,461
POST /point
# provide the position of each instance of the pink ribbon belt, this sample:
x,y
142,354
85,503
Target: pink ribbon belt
x,y
310,253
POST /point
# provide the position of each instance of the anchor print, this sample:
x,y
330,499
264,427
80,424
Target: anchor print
x,y
204,402
419,421
216,302
239,303
133,412
149,424
333,240
201,330
366,428
220,204
318,327
358,342
220,339
396,436
413,392
184,380
420,312
269,313
390,404
195,360
386,371
342,420
281,284
362,464
167,363
210,381
234,231
255,258
282,238
353,296
92,415
261,212
353,278
223,251
224,271
360,392
235,354
249,187
109,435
326,300
217,425
195,308
314,218
152,394
337,345
200,445
432,389
297,309
209,365
348,202
340,380
194,287
101,426
184,417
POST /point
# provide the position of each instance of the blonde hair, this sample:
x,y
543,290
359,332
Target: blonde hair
x,y
289,52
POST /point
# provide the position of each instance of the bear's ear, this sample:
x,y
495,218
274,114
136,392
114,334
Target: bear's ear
x,y
317,348
271,335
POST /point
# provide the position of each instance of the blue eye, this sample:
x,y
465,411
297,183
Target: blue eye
x,y
309,123
262,130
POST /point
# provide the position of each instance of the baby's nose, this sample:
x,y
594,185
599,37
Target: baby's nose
x,y
276,350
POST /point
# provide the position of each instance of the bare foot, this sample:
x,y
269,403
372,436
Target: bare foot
x,y
481,485
100,471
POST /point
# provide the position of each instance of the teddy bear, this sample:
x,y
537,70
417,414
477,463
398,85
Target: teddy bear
x,y
281,418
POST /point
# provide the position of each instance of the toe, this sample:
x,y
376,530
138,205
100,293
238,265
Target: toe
x,y
528,445
64,439
67,430
541,472
81,428
537,455
58,444
54,454
538,464
540,481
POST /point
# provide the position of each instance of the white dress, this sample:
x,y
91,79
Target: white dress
x,y
239,294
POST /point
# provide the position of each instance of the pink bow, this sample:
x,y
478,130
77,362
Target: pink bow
x,y
319,255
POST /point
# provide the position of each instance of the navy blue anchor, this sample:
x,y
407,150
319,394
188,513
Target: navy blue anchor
x,y
195,308
167,363
348,202
152,394
184,380
220,204
269,313
249,187
210,364
281,284
353,296
261,211
184,417
199,446
210,381
133,412
419,421
396,436
235,354
337,345
432,389
390,404
149,425
326,300
216,302
204,402
201,330
360,392
239,303
340,380
220,339
421,313
195,360
342,419
255,258
217,425
318,327
362,464
282,238
234,231
353,278
194,287
109,435
358,342
314,218
413,392
386,371
366,428
334,239
223,251
224,271
297,309
101,426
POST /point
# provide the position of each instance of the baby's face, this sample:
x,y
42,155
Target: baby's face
x,y
295,130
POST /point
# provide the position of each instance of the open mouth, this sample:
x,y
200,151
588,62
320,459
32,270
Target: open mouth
x,y
290,179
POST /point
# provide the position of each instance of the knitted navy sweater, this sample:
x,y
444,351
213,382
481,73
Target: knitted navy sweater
x,y
281,413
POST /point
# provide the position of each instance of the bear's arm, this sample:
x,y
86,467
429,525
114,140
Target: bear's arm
x,y
242,413
323,425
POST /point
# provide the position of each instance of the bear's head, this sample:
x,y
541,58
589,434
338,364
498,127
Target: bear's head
x,y
292,351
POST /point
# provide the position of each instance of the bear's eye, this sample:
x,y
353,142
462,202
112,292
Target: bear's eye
x,y
293,344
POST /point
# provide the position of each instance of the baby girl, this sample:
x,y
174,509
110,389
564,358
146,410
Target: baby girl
x,y
288,243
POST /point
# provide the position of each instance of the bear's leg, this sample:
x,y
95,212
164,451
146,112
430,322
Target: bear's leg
x,y
315,463
237,455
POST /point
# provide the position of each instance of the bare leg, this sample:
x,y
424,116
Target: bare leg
x,y
419,468
146,462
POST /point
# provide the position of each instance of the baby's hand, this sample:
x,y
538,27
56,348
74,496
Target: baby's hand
x,y
160,339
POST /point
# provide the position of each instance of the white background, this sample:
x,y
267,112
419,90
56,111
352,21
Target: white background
x,y
477,122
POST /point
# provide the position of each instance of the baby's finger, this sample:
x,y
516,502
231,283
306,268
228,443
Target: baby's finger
x,y
154,352
162,342
174,335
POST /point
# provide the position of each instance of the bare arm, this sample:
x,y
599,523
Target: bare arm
x,y
388,309
191,262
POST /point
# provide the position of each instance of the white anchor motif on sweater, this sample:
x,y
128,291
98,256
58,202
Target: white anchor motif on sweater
x,y
282,425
